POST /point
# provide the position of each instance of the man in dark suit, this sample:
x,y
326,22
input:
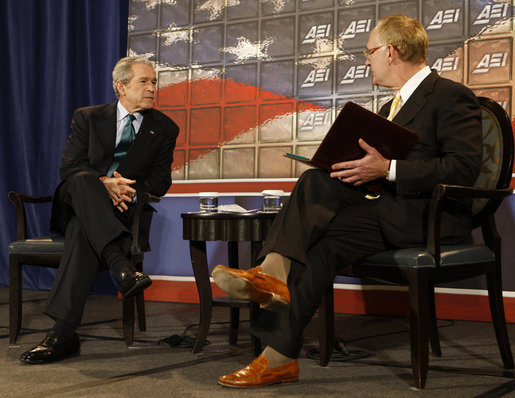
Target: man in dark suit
x,y
331,220
114,153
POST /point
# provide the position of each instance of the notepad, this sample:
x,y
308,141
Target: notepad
x,y
353,122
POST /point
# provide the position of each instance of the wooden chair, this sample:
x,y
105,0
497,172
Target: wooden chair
x,y
47,251
422,268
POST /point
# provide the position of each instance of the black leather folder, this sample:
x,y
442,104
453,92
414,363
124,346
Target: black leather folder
x,y
353,122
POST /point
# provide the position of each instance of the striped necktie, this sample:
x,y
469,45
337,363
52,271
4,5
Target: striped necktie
x,y
122,148
394,107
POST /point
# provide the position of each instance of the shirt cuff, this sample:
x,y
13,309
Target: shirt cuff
x,y
393,170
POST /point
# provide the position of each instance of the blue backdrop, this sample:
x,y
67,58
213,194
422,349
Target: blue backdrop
x,y
57,55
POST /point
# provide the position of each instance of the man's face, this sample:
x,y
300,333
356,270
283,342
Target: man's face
x,y
139,93
377,60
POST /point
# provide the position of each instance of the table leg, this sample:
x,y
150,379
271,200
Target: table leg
x,y
232,248
201,271
255,248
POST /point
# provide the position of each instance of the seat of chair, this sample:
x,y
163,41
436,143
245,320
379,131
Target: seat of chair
x,y
419,257
41,245
49,245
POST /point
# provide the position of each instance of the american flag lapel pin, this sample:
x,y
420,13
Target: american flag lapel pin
x,y
151,131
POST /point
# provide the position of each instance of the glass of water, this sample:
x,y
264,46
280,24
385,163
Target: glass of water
x,y
272,200
208,202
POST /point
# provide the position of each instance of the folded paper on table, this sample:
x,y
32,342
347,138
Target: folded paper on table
x,y
234,208
353,122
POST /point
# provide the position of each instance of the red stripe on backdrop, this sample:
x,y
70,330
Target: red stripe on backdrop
x,y
395,303
178,100
371,302
204,97
230,186
195,105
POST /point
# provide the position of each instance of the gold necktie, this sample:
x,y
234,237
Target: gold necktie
x,y
393,108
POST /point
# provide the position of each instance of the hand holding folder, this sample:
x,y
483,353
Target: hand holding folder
x,y
353,122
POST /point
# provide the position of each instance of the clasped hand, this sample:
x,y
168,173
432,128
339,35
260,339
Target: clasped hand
x,y
357,172
119,190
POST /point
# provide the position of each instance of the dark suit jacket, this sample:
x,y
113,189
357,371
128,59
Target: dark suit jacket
x,y
90,147
447,117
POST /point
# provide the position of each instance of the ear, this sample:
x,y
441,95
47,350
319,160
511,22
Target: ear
x,y
393,54
121,87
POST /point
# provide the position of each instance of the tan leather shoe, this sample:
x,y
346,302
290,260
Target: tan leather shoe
x,y
271,293
258,374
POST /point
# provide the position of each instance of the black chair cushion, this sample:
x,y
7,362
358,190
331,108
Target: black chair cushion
x,y
419,257
53,245
44,245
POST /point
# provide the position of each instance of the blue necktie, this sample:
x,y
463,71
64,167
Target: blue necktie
x,y
121,149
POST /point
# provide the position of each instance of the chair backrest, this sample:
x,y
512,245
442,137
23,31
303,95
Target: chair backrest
x,y
497,158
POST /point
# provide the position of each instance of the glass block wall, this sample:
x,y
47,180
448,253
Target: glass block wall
x,y
248,80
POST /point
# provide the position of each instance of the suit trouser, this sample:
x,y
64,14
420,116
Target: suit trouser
x,y
95,223
325,225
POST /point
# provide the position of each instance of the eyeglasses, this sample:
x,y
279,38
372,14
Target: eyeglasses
x,y
368,52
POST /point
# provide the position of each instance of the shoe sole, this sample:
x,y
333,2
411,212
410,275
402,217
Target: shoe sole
x,y
242,289
287,381
137,288
42,361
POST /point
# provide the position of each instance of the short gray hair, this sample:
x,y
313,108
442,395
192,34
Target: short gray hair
x,y
407,35
123,70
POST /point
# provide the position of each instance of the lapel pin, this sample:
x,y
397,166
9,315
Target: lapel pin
x,y
151,131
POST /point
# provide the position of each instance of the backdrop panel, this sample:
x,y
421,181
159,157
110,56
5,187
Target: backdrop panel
x,y
248,80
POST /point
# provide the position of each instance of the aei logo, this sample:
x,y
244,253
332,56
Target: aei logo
x,y
447,64
355,72
315,119
316,76
443,17
317,32
491,11
355,27
488,61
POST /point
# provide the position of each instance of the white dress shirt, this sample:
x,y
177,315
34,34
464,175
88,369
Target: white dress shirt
x,y
404,93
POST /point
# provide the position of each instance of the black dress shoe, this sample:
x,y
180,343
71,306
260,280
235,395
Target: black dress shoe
x,y
130,281
51,349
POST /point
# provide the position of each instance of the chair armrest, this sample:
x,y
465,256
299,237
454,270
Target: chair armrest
x,y
19,200
444,191
136,218
459,191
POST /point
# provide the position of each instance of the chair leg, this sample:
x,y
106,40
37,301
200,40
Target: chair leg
x,y
128,320
15,302
498,319
140,299
326,316
419,325
434,339
140,307
201,272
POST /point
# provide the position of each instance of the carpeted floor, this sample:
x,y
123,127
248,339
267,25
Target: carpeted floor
x,y
378,367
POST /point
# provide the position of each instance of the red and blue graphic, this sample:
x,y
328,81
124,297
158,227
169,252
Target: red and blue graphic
x,y
248,80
